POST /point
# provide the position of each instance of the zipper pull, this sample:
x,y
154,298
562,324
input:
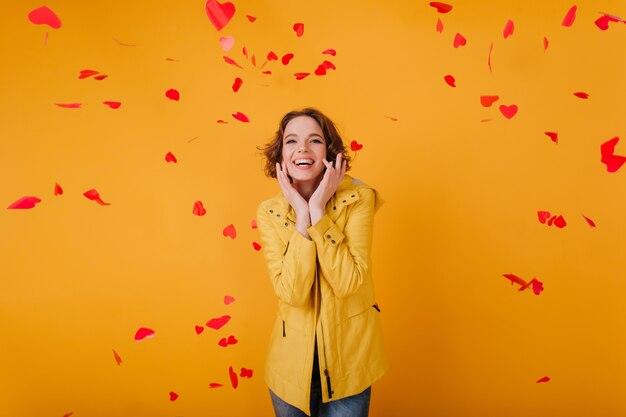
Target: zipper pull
x,y
284,334
330,391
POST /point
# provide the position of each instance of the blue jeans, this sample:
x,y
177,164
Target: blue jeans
x,y
354,406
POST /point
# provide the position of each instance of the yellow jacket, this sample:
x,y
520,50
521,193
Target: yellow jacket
x,y
325,290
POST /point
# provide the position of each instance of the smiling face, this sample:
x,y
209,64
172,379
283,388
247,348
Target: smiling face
x,y
304,149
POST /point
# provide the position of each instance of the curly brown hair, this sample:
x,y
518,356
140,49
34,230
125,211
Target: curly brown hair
x,y
334,144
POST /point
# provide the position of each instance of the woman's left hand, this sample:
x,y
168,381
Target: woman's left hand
x,y
328,185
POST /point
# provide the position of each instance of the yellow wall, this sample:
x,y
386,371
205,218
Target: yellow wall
x,y
78,279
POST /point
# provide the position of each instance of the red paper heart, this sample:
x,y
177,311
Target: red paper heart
x,y
230,231
607,150
233,377
199,329
286,58
330,52
569,18
253,224
439,26
543,216
489,56
560,222
449,79
219,13
237,84
246,373
441,7
232,340
215,385
581,94
87,73
545,44
25,203
241,117
355,146
487,101
228,299
554,136
95,196
320,70
218,323
100,77
57,189
44,16
118,358
227,42
271,56
69,105
301,75
251,18
169,157
508,28
198,209
544,379
173,396
143,333
256,246
589,221
232,62
508,111
113,104
172,94
223,342
459,40
299,29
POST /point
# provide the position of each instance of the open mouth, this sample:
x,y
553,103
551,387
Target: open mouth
x,y
303,162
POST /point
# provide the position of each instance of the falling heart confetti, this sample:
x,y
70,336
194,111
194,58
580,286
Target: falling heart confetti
x,y
118,358
228,299
233,377
100,77
246,373
224,342
198,209
286,58
70,414
241,117
44,16
537,286
355,146
271,56
439,26
299,29
87,73
230,231
172,94
546,43
487,101
112,104
581,94
237,84
169,157
173,396
143,333
301,75
69,105
25,203
95,196
256,246
219,13
570,16
459,40
589,221
544,379
250,18
607,150
508,29
331,52
232,62
449,79
508,111
57,189
320,70
441,7
514,279
215,385
560,222
543,216
199,329
227,42
603,21
253,224
218,323
554,136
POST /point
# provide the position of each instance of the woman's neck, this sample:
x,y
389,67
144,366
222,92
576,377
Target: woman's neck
x,y
307,188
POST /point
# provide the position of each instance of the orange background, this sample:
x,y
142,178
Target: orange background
x,y
462,183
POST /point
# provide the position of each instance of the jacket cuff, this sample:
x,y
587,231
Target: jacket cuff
x,y
325,231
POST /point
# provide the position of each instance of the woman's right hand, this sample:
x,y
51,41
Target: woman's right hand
x,y
299,204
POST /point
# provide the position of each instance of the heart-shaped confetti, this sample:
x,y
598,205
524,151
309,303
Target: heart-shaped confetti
x,y
198,209
301,75
355,146
230,231
554,136
253,224
241,117
439,26
215,385
246,373
256,246
607,150
589,221
143,333
87,73
234,381
286,58
232,62
69,105
250,18
219,13
508,29
169,157
570,16
581,94
299,29
508,111
199,329
543,216
330,52
172,94
173,396
118,358
237,84
57,189
44,16
25,203
227,42
544,379
487,101
93,195
459,40
228,299
441,7
218,322
271,56
449,79
112,104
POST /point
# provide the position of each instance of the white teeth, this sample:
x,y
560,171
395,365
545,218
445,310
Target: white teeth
x,y
303,162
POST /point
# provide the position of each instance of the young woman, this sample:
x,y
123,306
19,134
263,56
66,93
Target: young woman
x,y
326,346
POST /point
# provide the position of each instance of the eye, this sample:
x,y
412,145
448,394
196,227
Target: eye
x,y
316,140
289,141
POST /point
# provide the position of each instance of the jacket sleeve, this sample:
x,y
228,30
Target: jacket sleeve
x,y
291,266
344,256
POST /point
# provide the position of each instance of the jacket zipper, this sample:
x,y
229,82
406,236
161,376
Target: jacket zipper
x,y
326,373
284,334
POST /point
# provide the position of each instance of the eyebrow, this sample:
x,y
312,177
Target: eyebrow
x,y
311,135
